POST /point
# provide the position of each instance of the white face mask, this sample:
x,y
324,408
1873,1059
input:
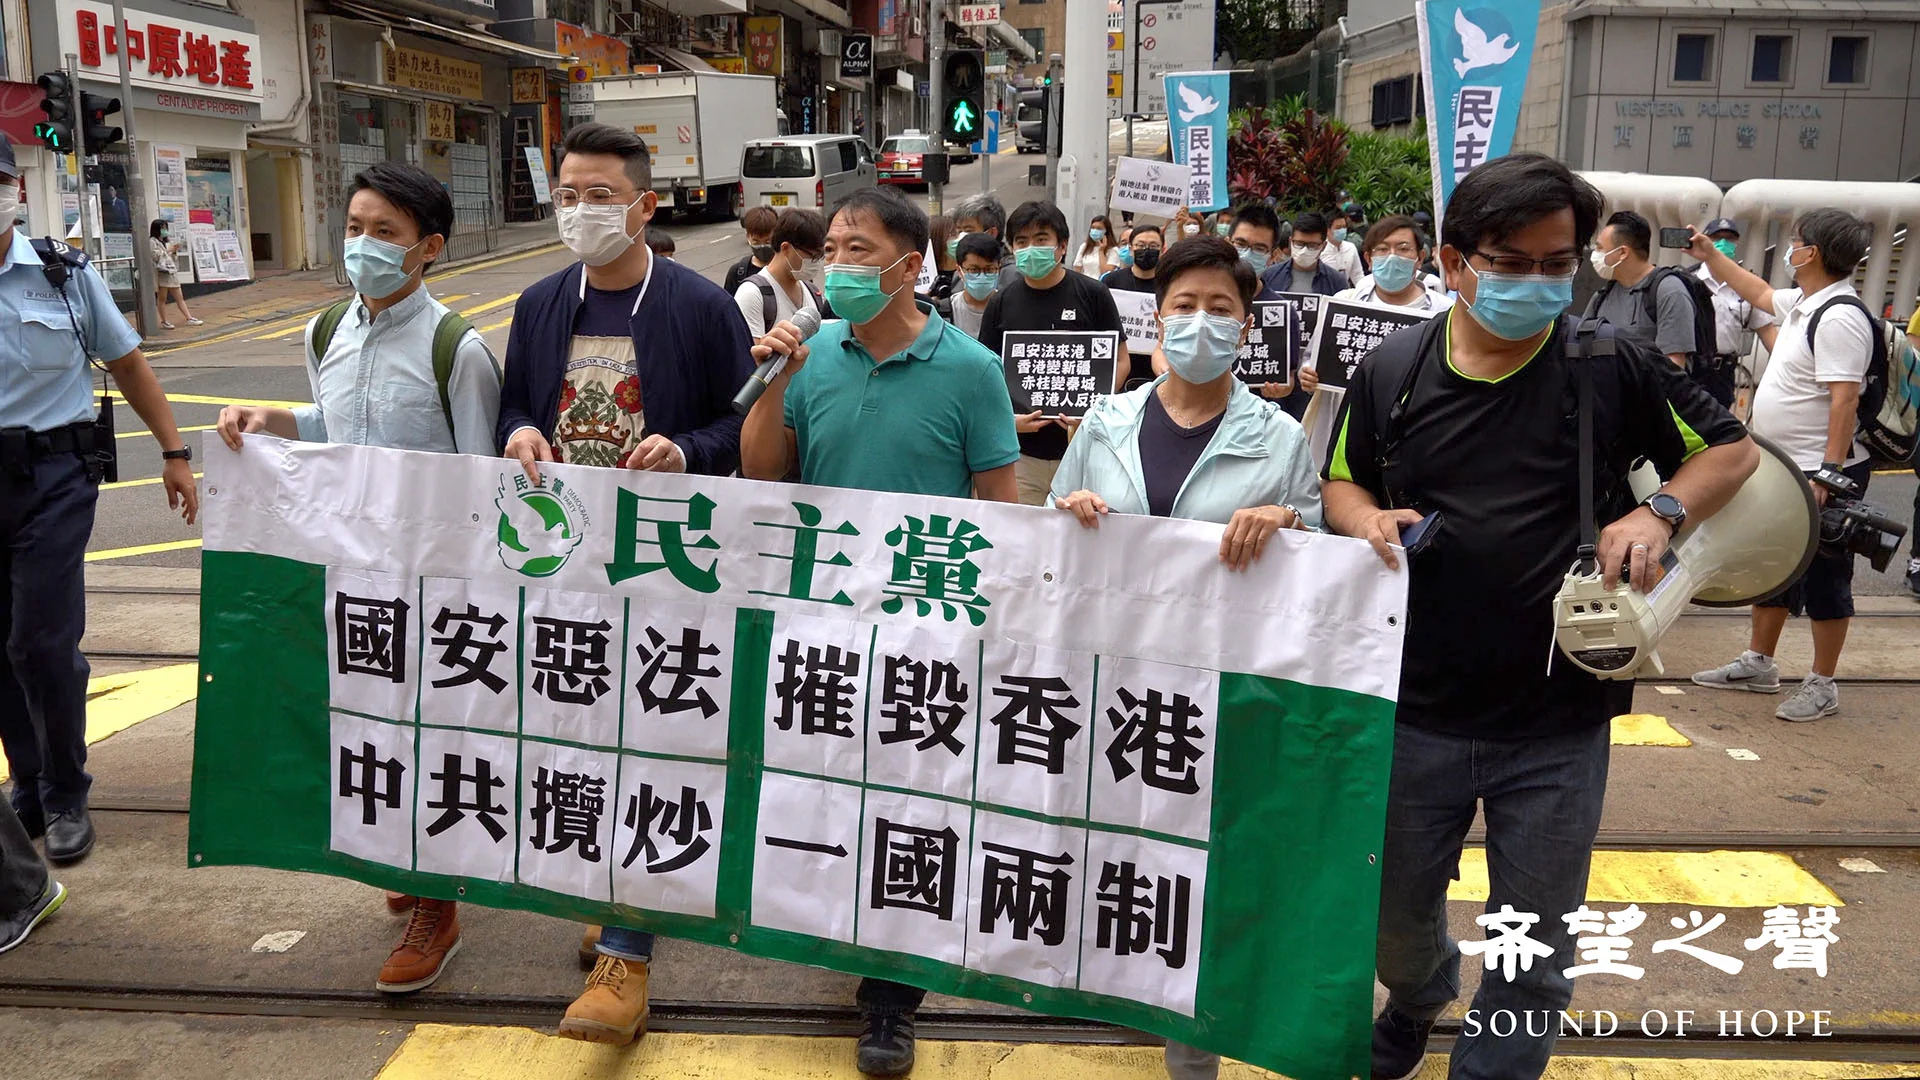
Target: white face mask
x,y
596,235
1305,257
9,204
807,270
1601,266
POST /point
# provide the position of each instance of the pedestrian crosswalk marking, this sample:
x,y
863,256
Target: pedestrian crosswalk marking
x,y
1719,879
117,702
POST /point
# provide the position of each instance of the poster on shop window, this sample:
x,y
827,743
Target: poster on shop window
x,y
944,741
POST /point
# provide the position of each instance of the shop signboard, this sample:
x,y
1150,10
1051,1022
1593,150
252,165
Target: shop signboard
x,y
168,53
417,69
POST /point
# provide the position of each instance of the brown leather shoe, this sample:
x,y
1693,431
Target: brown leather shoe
x,y
399,903
432,937
589,948
613,1008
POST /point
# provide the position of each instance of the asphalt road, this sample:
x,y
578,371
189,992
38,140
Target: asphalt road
x,y
134,528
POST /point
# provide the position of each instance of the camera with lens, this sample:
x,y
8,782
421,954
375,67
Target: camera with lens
x,y
1858,528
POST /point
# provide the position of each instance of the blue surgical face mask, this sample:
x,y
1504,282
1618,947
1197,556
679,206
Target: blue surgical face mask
x,y
1124,256
1256,259
1393,272
377,268
1727,247
1200,347
854,290
1096,234
1515,307
981,283
1339,236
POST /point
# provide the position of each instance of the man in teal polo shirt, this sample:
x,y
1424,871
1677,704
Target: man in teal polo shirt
x,y
930,416
924,418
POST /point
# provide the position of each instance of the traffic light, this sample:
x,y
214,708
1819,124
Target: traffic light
x,y
964,89
94,110
57,129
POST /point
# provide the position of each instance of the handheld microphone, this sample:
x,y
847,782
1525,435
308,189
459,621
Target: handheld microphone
x,y
807,321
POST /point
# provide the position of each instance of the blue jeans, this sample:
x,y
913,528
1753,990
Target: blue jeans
x,y
1542,800
635,945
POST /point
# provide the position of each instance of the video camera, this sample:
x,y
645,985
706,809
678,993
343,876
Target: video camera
x,y
1858,528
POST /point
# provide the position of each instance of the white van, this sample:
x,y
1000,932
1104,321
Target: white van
x,y
812,171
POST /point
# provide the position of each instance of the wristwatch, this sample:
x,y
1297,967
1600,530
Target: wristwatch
x,y
185,453
1667,509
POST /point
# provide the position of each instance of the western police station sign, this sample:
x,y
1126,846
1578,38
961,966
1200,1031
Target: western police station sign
x,y
963,744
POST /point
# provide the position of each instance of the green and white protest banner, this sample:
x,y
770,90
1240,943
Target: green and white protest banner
x,y
967,745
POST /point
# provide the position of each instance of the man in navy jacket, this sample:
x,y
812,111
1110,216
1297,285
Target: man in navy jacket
x,y
1305,271
621,360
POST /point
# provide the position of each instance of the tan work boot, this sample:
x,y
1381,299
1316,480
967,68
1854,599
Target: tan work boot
x,y
589,948
432,937
613,1008
399,903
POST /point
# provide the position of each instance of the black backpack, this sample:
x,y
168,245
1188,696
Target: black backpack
x,y
1888,416
770,307
1706,335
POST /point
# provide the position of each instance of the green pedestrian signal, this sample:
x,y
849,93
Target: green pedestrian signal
x,y
964,119
56,131
963,85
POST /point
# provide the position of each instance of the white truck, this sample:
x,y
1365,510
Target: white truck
x,y
696,124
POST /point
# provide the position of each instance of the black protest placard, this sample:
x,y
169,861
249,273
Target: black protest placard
x,y
1272,351
1347,331
1059,372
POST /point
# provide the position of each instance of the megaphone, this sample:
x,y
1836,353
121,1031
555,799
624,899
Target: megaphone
x,y
1758,544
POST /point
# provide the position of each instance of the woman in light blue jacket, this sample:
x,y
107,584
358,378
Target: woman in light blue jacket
x,y
1196,443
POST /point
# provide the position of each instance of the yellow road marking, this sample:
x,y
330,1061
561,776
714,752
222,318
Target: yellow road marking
x,y
448,1052
1646,729
143,433
117,702
491,327
254,331
144,549
298,325
139,483
479,309
203,399
1721,879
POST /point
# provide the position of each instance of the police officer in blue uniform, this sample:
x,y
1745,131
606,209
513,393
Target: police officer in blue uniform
x,y
56,313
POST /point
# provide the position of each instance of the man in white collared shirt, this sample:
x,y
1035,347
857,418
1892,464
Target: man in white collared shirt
x,y
1806,404
1733,317
374,384
373,376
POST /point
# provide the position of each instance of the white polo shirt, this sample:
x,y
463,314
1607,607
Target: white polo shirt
x,y
1791,404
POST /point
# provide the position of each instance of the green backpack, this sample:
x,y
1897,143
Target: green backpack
x,y
446,340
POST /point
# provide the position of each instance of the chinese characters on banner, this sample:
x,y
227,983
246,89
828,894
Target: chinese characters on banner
x,y
417,69
976,14
163,52
1474,57
1347,331
766,49
529,86
1272,351
1059,372
1138,313
1160,188
1197,130
866,733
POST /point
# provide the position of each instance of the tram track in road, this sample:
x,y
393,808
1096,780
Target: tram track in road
x,y
1856,1044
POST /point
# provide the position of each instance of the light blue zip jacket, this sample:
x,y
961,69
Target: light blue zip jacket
x,y
1257,457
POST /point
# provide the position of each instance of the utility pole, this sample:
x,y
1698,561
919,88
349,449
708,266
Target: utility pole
x,y
936,98
1051,129
80,151
993,102
1082,184
146,312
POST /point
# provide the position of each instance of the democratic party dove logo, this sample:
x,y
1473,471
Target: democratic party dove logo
x,y
536,533
1476,49
1194,104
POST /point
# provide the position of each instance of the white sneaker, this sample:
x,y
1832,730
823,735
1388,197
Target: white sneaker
x,y
164,325
1760,674
1817,697
195,322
